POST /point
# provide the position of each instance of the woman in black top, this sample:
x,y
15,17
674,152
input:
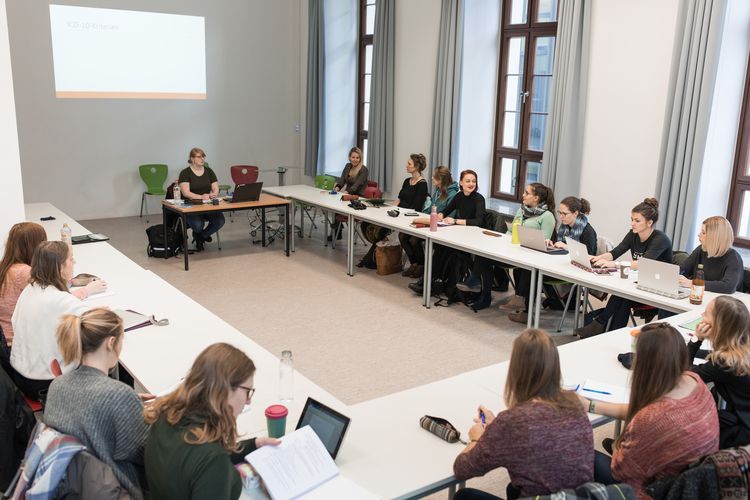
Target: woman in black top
x,y
199,182
722,265
412,196
642,241
726,323
468,203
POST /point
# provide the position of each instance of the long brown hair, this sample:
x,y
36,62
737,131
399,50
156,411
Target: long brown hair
x,y
46,265
217,371
444,178
545,195
84,334
23,239
730,335
661,357
534,373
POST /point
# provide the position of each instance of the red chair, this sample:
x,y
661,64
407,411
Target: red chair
x,y
244,174
35,404
372,184
373,191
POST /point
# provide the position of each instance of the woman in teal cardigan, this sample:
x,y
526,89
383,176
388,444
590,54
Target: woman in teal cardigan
x,y
536,212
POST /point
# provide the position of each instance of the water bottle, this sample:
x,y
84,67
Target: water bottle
x,y
698,287
433,219
176,194
66,234
515,237
286,376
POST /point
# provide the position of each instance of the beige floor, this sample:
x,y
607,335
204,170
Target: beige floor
x,y
358,337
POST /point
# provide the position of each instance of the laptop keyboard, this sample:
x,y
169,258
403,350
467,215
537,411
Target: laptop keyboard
x,y
682,294
595,270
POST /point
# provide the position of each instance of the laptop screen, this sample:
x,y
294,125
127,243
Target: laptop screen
x,y
328,424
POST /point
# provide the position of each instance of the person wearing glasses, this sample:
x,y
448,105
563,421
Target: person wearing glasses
x,y
574,224
199,182
192,445
103,413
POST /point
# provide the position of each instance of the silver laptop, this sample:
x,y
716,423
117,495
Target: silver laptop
x,y
660,278
579,257
534,239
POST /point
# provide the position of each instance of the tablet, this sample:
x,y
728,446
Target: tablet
x,y
328,424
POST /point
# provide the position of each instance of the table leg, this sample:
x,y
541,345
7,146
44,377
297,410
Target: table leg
x,y
532,299
289,230
327,229
577,305
184,239
263,226
427,276
538,301
301,220
350,245
164,225
451,491
293,209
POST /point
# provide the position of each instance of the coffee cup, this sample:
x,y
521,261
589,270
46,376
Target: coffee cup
x,y
276,420
624,270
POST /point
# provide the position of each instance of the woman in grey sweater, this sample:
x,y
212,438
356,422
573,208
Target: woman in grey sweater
x,y
103,413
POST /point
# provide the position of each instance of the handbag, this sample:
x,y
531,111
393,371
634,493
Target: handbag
x,y
441,428
388,259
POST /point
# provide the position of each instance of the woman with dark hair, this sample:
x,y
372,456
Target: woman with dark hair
x,y
412,197
103,413
670,420
726,323
15,271
192,445
38,312
544,438
574,223
199,182
643,240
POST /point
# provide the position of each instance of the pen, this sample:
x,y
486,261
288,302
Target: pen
x,y
481,415
597,392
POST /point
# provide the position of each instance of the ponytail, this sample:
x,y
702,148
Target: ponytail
x,y
69,338
84,334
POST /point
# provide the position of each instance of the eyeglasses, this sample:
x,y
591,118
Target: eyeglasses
x,y
563,214
250,390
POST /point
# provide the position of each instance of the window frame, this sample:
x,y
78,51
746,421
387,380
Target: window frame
x,y
740,183
364,40
530,31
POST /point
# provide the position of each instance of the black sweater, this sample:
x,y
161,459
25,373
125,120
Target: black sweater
x,y
469,207
658,246
413,197
723,274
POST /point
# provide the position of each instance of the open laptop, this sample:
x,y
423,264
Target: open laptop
x,y
579,257
661,278
534,239
246,192
328,424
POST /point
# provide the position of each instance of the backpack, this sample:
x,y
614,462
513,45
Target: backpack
x,y
16,425
456,269
155,246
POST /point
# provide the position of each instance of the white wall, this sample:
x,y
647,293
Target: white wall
x,y
631,56
82,155
417,27
12,211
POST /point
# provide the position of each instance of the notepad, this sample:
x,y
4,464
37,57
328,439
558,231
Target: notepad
x,y
692,325
132,320
301,467
600,391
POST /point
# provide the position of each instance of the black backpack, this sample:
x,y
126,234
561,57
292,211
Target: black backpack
x,y
155,246
456,269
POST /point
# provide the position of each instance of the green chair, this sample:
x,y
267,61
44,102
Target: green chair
x,y
326,182
154,176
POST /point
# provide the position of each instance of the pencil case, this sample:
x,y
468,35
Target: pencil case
x,y
441,428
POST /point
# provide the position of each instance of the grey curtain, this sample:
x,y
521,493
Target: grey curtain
x,y
315,78
697,44
563,142
447,85
380,128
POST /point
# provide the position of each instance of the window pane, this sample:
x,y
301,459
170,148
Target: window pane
x,y
533,172
368,59
513,93
544,55
511,129
547,11
368,79
519,11
370,20
516,54
540,90
743,229
508,169
364,151
536,132
366,123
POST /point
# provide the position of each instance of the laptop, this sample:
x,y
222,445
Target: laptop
x,y
660,278
328,424
534,239
246,192
579,257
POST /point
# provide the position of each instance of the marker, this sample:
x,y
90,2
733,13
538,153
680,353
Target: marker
x,y
597,392
481,415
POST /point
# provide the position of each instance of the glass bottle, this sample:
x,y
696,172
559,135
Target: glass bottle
x,y
698,287
286,376
66,234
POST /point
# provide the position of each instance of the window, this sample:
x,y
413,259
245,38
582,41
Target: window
x,y
366,32
739,194
527,53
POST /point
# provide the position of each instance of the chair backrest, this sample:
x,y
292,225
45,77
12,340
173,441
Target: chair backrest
x,y
54,367
154,175
372,192
603,245
678,257
372,183
746,281
326,182
495,221
244,174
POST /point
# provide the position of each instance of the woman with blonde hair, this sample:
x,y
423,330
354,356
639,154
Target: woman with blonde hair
x,y
38,312
544,438
726,323
15,271
670,420
192,445
722,264
103,413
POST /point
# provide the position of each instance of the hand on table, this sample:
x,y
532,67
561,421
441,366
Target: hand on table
x,y
560,244
685,282
95,286
266,441
449,220
599,262
205,197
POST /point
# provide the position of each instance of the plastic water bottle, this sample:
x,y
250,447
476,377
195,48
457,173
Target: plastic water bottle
x,y
176,194
286,376
433,219
66,234
515,237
